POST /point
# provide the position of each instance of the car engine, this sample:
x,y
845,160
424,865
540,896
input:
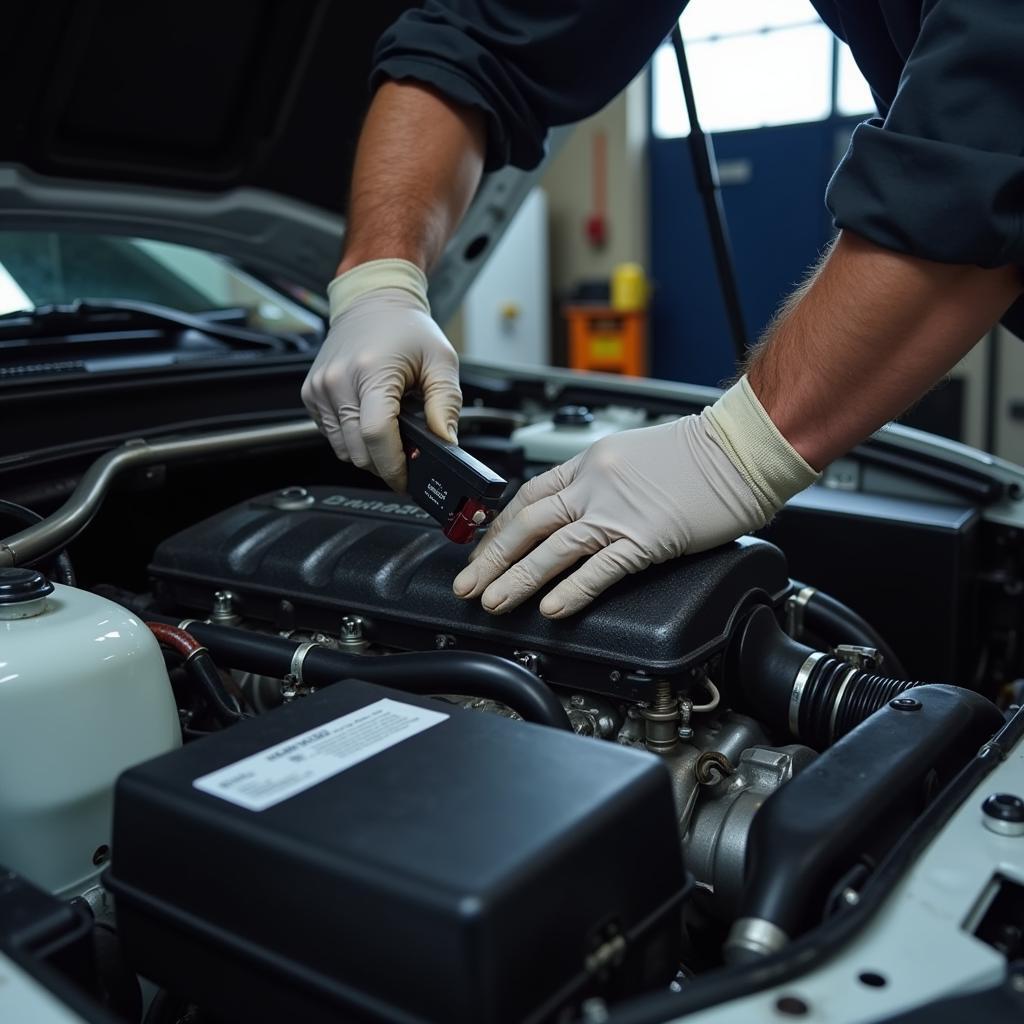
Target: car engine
x,y
361,573
304,781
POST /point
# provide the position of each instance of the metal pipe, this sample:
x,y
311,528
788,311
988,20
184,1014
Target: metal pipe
x,y
62,567
58,529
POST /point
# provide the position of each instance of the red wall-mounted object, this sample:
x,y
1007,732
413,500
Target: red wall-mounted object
x,y
596,226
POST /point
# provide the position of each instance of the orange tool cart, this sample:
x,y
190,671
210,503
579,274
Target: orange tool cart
x,y
613,338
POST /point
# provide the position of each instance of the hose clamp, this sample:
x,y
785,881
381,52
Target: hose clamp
x,y
837,703
298,658
185,623
795,605
797,693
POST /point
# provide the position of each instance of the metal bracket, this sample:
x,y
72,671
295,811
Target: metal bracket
x,y
867,659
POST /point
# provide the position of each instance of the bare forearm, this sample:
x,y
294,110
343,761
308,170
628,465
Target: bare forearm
x,y
418,164
873,331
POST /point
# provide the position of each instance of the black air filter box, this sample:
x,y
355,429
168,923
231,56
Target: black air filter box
x,y
304,560
364,855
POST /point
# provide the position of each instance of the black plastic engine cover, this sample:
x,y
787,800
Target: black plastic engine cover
x,y
303,558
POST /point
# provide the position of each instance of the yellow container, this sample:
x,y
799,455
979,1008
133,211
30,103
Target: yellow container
x,y
629,288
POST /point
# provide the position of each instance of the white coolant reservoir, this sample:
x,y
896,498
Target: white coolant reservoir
x,y
571,429
84,694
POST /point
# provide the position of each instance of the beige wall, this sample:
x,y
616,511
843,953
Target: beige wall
x,y
973,370
568,183
1009,388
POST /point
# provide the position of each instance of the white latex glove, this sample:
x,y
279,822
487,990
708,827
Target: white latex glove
x,y
636,499
382,342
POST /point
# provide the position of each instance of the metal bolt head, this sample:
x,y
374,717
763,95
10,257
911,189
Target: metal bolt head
x,y
291,499
1003,813
685,732
905,704
850,897
351,628
577,700
530,660
582,724
614,676
443,641
225,608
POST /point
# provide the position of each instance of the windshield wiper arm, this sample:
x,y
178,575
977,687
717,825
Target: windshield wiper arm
x,y
126,315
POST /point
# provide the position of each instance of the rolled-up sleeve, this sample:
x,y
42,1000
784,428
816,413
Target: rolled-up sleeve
x,y
942,177
528,65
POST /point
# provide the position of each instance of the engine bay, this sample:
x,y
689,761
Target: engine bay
x,y
352,796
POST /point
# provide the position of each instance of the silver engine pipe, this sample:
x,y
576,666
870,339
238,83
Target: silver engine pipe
x,y
60,528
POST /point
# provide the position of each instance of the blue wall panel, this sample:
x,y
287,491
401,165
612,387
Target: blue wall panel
x,y
778,225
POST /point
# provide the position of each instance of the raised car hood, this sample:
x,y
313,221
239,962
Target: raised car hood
x,y
229,125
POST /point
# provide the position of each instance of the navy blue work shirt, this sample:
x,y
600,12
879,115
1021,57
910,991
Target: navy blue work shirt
x,y
939,174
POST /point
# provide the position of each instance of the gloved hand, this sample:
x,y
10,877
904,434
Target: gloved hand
x,y
636,499
381,343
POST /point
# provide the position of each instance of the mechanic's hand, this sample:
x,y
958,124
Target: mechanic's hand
x,y
381,343
636,499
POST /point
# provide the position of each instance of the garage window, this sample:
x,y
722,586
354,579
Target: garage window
x,y
756,63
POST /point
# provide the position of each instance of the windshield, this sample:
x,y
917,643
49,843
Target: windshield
x,y
42,268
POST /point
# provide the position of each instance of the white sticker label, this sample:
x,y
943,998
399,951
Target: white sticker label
x,y
280,772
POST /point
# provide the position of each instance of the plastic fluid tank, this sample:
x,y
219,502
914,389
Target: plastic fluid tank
x,y
570,430
84,694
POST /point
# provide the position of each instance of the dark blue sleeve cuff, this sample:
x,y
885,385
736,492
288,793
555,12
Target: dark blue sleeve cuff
x,y
527,64
933,199
520,144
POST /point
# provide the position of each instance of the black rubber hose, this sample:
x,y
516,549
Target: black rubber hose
x,y
432,672
199,666
835,699
167,1009
815,697
837,623
63,569
118,984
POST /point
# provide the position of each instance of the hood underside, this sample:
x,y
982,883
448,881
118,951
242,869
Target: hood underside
x,y
227,125
207,95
